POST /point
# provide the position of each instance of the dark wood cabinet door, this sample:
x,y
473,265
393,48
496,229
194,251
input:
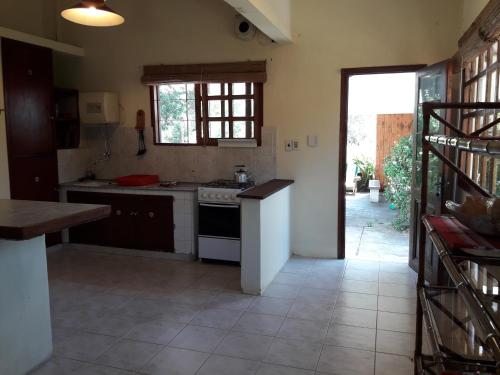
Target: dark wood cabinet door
x,y
35,178
96,232
155,223
136,222
67,118
28,87
121,232
32,153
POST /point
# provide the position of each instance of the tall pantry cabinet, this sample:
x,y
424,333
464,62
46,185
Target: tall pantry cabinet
x,y
30,126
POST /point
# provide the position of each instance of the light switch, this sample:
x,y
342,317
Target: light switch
x,y
312,140
295,145
288,145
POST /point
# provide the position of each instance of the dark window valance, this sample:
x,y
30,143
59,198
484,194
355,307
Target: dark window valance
x,y
249,71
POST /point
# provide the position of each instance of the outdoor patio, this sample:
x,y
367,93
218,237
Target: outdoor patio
x,y
369,234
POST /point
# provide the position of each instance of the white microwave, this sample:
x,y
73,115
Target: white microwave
x,y
99,108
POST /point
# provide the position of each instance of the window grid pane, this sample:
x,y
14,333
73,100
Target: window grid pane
x,y
215,129
232,117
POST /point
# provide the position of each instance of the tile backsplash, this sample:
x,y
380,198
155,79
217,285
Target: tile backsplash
x,y
171,163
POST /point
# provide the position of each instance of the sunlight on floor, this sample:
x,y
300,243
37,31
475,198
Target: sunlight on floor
x,y
369,233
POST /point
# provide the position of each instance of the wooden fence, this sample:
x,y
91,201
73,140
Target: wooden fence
x,y
390,128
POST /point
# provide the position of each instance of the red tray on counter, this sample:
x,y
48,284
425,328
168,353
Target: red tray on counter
x,y
138,180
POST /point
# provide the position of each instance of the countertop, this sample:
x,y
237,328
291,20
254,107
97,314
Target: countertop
x,y
22,220
266,189
109,184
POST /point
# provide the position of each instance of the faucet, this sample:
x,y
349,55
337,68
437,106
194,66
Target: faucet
x,y
106,155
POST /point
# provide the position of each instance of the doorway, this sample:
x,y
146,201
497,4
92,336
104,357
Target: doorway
x,y
377,110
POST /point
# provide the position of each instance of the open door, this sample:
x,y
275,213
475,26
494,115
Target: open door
x,y
432,84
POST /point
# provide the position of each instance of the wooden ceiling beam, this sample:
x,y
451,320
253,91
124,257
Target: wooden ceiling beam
x,y
272,17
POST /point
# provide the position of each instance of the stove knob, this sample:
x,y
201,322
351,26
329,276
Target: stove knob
x,y
218,196
204,195
226,196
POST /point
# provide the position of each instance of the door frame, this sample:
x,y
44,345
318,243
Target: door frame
x,y
347,73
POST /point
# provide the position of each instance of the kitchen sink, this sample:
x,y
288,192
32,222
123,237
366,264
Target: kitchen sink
x,y
93,183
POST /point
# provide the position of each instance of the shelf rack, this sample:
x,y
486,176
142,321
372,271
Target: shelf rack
x,y
484,146
462,322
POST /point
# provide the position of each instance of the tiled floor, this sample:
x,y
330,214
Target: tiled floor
x,y
120,315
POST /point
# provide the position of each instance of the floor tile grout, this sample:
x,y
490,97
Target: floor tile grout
x,y
329,322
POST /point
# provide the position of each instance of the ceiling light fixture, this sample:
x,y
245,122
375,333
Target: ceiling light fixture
x,y
92,13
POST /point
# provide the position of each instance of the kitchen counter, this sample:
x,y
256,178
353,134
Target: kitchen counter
x,y
23,220
266,189
184,196
25,324
111,185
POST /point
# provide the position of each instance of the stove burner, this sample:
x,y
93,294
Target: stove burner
x,y
229,184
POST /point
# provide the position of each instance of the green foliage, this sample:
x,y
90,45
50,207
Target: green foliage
x,y
398,173
175,107
366,170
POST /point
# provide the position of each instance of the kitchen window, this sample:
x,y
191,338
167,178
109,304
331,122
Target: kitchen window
x,y
200,104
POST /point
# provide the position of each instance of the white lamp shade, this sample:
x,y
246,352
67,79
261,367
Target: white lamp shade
x,y
92,13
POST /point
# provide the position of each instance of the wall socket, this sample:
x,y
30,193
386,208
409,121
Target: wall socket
x,y
291,145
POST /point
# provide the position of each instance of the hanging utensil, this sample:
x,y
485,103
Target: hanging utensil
x,y
140,125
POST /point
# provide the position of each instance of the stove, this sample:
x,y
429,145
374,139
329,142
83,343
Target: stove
x,y
219,220
229,184
222,191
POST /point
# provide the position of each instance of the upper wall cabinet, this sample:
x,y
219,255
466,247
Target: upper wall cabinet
x,y
67,118
27,74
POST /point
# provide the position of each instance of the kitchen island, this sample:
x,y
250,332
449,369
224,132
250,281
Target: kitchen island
x,y
25,326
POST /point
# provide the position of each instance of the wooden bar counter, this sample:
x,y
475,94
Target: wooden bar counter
x,y
25,328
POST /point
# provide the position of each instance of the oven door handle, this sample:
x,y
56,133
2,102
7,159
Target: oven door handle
x,y
220,205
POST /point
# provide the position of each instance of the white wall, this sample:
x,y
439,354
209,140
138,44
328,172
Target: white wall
x,y
275,234
471,9
37,17
250,247
265,240
302,95
25,329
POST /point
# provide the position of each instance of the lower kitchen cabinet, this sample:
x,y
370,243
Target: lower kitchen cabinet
x,y
143,222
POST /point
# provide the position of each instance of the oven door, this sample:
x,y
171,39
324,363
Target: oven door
x,y
219,220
